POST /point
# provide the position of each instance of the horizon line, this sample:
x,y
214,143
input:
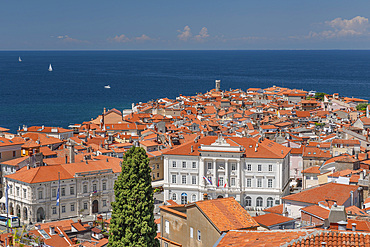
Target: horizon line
x,y
184,50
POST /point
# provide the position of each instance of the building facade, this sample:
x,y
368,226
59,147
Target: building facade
x,y
86,188
254,172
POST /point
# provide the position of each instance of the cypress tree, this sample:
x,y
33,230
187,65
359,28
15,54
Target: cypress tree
x,y
132,222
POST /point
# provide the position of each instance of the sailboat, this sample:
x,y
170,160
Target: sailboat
x,y
107,86
50,68
19,59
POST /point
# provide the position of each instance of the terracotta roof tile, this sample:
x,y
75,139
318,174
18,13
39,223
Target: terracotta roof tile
x,y
226,214
271,219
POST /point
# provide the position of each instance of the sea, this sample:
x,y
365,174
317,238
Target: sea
x,y
74,91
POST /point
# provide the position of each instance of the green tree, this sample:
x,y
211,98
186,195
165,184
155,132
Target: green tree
x,y
361,107
320,96
132,222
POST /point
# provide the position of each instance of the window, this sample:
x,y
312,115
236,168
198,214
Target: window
x,y
11,189
85,188
40,193
25,193
85,205
72,207
183,164
232,181
222,182
14,153
54,210
209,165
95,187
183,179
269,183
24,152
270,168
259,167
248,201
259,182
193,179
270,202
54,192
63,209
167,227
173,179
165,244
157,166
18,192
259,202
72,190
173,163
63,191
249,167
249,182
104,203
184,198
174,196
104,186
233,167
157,174
193,197
199,236
191,232
194,165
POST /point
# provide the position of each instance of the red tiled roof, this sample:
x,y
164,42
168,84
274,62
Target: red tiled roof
x,y
271,219
226,214
312,169
331,191
275,209
316,210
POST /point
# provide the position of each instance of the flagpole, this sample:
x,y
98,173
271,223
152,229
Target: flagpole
x,y
59,193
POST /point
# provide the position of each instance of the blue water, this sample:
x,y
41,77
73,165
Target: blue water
x,y
74,91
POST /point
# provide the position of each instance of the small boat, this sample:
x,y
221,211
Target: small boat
x,y
107,86
50,68
19,59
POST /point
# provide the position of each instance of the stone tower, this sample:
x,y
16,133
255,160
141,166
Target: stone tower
x,y
218,84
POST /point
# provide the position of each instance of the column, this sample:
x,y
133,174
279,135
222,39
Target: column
x,y
201,170
165,170
226,178
239,180
214,173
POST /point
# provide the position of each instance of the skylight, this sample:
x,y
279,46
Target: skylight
x,y
44,234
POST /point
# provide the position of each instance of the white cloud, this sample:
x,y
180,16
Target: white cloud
x,y
184,35
143,38
203,34
124,39
340,28
120,39
67,39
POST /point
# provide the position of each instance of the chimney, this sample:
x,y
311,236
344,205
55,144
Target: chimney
x,y
354,227
52,230
342,225
38,226
28,166
255,149
192,149
351,198
205,196
66,159
106,160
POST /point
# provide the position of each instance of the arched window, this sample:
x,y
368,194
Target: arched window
x,y
270,202
193,197
184,198
174,196
259,202
248,201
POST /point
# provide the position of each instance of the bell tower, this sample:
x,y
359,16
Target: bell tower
x,y
218,84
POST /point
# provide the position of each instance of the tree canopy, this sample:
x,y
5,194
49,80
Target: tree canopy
x,y
132,222
361,107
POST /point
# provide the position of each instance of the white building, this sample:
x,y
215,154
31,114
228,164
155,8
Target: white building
x,y
254,172
86,188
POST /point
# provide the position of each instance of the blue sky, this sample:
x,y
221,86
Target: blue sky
x,y
169,25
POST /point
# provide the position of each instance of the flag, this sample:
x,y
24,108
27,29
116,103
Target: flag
x,y
218,182
58,198
6,199
209,181
226,183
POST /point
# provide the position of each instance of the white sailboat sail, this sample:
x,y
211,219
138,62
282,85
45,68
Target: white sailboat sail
x,y
50,68
19,59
